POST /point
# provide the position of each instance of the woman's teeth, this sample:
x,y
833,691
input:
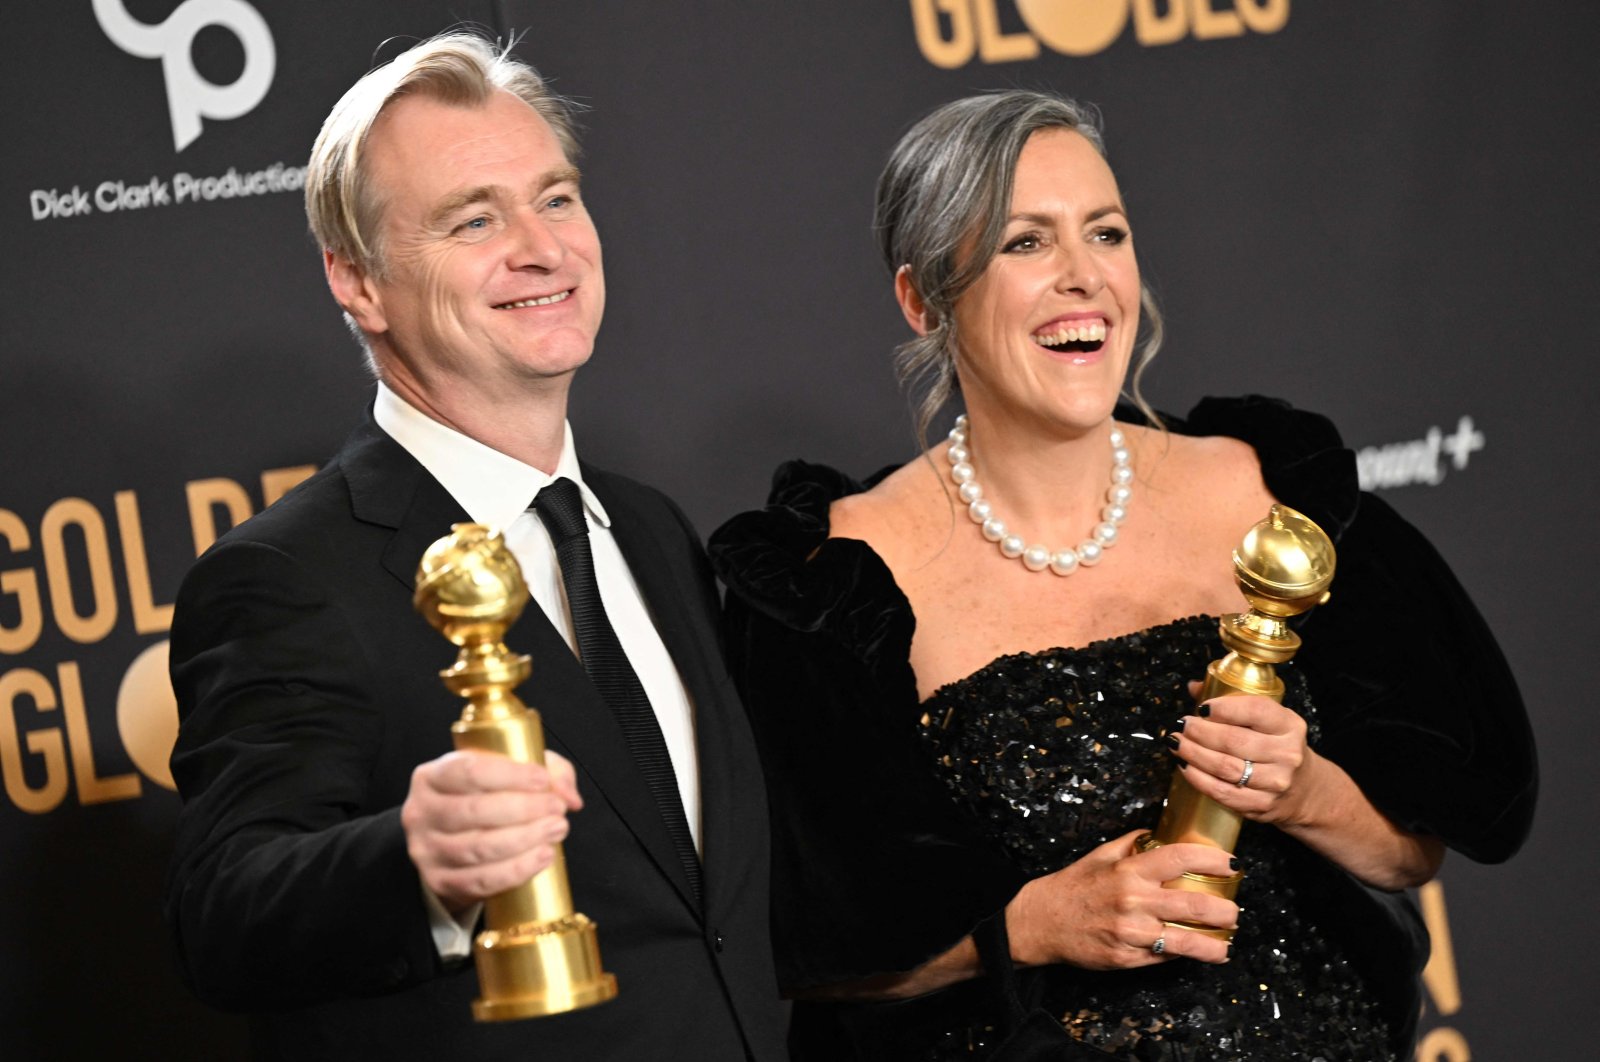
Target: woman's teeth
x,y
1085,332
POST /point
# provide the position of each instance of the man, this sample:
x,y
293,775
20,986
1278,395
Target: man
x,y
333,854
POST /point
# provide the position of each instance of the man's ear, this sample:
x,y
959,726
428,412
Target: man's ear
x,y
917,315
355,292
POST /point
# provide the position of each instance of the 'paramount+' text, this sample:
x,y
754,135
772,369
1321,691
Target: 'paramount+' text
x,y
110,197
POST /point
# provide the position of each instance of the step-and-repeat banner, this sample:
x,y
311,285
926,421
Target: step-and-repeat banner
x,y
1380,211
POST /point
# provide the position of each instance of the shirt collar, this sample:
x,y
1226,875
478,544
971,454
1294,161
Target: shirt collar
x,y
492,487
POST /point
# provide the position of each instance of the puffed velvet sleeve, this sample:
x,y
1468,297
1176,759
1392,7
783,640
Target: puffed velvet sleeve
x,y
873,870
1419,705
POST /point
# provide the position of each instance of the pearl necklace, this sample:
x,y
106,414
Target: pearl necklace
x,y
1037,558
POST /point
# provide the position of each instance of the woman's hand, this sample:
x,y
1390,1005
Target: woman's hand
x,y
1250,754
1106,910
1291,786
1103,912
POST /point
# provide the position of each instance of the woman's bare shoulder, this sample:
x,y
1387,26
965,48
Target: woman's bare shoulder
x,y
895,515
1214,476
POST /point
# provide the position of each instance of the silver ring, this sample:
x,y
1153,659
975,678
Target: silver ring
x,y
1159,946
1249,769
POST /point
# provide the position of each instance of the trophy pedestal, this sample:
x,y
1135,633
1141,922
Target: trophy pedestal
x,y
1283,567
537,955
532,970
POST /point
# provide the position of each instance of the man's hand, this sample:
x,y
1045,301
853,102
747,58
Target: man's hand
x,y
478,823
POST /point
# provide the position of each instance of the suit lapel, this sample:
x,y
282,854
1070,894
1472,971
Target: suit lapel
x,y
667,590
579,722
390,488
674,597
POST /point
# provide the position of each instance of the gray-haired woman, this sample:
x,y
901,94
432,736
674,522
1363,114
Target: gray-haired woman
x,y
970,677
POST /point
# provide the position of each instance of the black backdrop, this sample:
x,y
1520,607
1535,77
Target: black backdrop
x,y
1380,211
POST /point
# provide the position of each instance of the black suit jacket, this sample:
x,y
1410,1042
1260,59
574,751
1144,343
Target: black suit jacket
x,y
308,691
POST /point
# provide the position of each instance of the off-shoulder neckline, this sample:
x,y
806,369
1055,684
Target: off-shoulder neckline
x,y
1095,646
782,560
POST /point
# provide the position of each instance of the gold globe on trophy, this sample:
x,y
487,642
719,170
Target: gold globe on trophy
x,y
1284,567
536,955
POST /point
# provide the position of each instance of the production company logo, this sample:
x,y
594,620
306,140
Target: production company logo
x,y
950,33
190,96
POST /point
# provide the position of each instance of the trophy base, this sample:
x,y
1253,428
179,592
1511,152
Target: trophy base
x,y
1225,886
529,971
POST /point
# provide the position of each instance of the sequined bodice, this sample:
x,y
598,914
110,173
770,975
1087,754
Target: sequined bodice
x,y
1057,752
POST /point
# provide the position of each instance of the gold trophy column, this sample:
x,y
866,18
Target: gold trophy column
x,y
1283,567
536,955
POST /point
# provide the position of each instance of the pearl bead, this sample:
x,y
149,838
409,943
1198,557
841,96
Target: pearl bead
x,y
1036,558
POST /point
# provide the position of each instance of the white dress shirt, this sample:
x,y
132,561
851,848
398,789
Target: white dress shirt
x,y
496,490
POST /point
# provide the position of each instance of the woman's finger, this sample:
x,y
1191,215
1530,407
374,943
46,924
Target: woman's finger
x,y
1175,860
1174,942
1261,714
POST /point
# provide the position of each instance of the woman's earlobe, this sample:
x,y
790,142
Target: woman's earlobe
x,y
921,319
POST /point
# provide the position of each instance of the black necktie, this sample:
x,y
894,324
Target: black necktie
x,y
560,507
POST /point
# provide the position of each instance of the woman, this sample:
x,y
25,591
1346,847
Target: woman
x,y
971,698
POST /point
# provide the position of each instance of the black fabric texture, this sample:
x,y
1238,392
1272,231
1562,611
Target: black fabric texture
x,y
560,508
873,869
308,692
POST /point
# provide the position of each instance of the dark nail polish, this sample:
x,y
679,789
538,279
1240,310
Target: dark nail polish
x,y
1233,862
1177,728
1172,741
1204,711
1182,766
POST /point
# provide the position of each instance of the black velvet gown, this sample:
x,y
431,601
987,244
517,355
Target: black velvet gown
x,y
901,827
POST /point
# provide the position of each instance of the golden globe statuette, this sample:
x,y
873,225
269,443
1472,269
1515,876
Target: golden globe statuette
x,y
1284,567
536,955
